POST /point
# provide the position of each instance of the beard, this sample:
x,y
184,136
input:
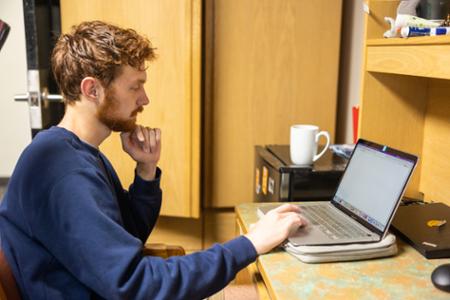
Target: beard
x,y
107,114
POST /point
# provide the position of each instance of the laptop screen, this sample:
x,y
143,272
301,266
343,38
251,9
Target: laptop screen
x,y
373,182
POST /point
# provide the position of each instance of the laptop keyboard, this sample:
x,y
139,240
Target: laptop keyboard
x,y
331,222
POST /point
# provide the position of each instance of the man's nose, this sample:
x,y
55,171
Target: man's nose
x,y
143,99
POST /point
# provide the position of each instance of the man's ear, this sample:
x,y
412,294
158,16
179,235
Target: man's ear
x,y
90,89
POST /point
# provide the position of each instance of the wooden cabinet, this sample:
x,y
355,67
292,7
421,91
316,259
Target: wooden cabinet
x,y
406,100
173,87
269,64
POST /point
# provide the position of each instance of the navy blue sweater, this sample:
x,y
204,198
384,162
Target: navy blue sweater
x,y
69,230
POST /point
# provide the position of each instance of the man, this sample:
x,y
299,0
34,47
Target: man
x,y
68,228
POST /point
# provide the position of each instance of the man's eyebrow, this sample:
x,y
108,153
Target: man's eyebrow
x,y
138,81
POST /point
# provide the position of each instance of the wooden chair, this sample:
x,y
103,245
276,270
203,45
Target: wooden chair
x,y
10,291
8,286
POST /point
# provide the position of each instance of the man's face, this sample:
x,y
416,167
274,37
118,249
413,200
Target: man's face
x,y
123,100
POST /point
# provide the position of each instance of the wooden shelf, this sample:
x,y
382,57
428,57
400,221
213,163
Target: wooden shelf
x,y
423,56
423,40
411,113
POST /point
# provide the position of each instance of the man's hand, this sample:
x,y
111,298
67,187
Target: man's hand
x,y
144,146
275,227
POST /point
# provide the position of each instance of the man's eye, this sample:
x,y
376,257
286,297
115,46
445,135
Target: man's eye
x,y
135,88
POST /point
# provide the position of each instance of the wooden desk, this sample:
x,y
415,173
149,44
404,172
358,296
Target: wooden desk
x,y
405,276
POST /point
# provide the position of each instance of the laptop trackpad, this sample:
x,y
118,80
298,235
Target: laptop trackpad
x,y
309,235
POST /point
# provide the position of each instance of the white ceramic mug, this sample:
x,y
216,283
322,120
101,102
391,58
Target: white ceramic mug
x,y
304,139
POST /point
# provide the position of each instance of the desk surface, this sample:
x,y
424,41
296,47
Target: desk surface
x,y
404,276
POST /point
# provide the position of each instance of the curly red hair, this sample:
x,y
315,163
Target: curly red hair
x,y
96,49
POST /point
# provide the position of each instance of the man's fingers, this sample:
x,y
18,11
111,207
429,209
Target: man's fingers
x,y
291,224
293,217
147,139
140,134
286,208
158,135
287,214
125,135
296,219
152,139
158,139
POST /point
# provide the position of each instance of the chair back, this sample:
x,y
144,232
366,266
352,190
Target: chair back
x,y
8,286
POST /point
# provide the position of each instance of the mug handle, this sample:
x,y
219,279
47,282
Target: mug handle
x,y
325,134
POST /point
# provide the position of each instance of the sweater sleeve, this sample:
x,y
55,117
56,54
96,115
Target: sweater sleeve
x,y
140,205
76,227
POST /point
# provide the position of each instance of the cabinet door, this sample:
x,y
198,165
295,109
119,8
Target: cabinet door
x,y
269,65
173,87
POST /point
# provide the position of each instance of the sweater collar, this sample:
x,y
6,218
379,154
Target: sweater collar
x,y
95,151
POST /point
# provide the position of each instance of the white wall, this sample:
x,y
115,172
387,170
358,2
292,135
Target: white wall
x,y
15,131
350,68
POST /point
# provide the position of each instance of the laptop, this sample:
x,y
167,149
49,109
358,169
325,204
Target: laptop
x,y
365,201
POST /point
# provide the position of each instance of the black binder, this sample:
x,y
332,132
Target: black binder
x,y
410,223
